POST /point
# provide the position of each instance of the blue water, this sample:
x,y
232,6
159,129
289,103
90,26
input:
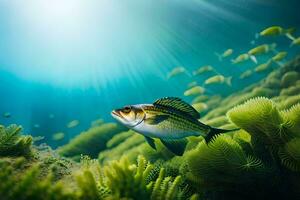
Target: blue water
x,y
80,59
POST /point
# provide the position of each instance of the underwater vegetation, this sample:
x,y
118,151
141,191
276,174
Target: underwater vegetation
x,y
259,161
90,142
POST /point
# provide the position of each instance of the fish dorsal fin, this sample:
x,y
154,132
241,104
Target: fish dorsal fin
x,y
178,105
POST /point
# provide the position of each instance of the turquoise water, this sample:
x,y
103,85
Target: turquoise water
x,y
81,59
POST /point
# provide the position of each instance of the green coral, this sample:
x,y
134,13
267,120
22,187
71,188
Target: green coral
x,y
12,143
224,162
262,119
290,155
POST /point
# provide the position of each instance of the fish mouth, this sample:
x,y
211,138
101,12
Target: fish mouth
x,y
116,113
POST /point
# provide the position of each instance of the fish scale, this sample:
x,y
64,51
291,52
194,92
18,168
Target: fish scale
x,y
176,121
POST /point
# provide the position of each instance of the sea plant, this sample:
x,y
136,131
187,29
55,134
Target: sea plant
x,y
224,164
13,143
261,118
90,142
28,185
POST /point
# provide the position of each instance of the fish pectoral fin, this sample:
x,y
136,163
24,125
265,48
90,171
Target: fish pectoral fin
x,y
175,146
156,119
150,141
253,58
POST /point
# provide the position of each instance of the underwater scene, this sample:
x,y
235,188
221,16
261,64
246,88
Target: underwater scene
x,y
149,99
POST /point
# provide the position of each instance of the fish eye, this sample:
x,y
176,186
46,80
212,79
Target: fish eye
x,y
127,109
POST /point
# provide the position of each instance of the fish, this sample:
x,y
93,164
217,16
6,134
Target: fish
x,y
246,74
175,72
97,122
200,106
200,98
203,69
73,124
36,126
241,58
295,42
58,136
192,84
169,119
6,115
261,49
278,30
262,67
38,138
272,31
196,90
51,116
279,56
225,54
218,79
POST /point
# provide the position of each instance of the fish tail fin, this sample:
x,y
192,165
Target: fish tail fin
x,y
219,56
253,58
288,35
228,81
216,131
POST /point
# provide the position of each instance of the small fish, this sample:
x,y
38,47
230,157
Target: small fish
x,y
169,119
51,116
196,90
246,74
58,136
36,126
200,98
97,122
192,84
241,58
203,69
225,54
175,72
38,138
73,124
261,49
6,115
278,30
200,107
295,42
272,31
279,56
220,79
262,67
